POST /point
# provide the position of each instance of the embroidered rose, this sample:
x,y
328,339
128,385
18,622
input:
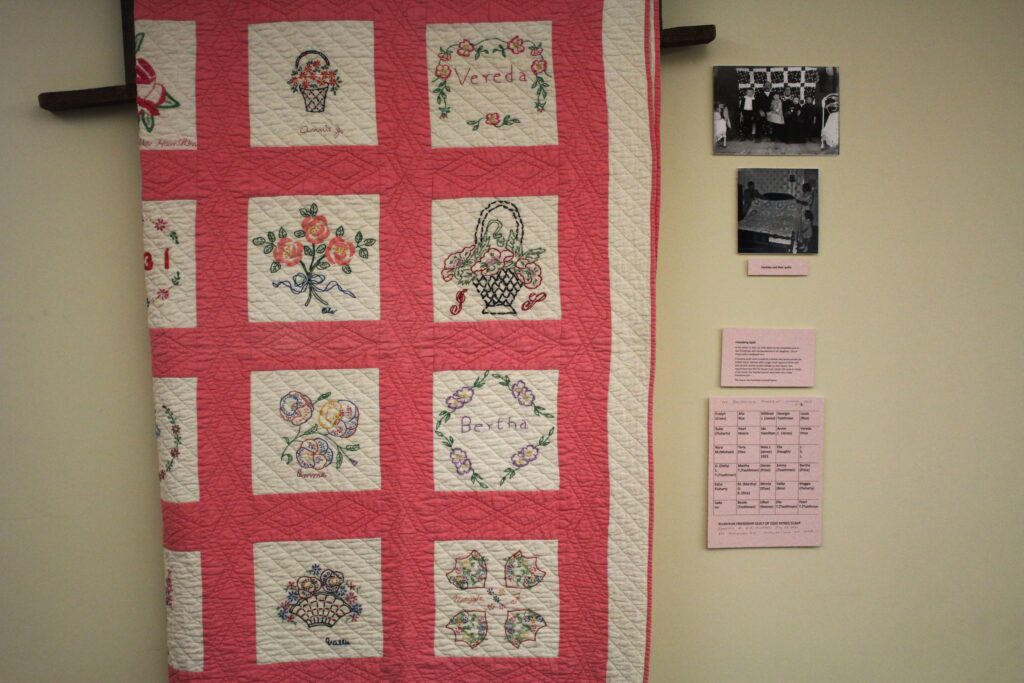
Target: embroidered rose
x,y
539,66
340,251
316,229
515,45
492,119
296,408
536,51
465,48
152,98
144,72
529,273
444,56
288,252
455,261
314,453
443,71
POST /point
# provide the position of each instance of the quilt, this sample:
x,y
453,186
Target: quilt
x,y
399,258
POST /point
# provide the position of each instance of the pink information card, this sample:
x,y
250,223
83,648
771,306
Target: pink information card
x,y
764,357
764,472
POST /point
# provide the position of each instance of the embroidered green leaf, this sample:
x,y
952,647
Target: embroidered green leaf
x,y
340,232
359,236
369,242
307,250
258,241
323,397
321,248
281,232
347,270
176,280
269,248
139,37
303,212
323,265
313,209
271,237
351,448
147,121
363,253
274,267
169,102
299,234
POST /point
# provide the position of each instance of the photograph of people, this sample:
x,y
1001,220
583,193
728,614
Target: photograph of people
x,y
777,210
776,110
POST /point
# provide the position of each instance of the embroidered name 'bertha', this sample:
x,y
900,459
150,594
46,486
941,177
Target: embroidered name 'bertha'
x,y
399,259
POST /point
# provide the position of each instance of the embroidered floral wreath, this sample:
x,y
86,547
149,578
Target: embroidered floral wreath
x,y
461,398
467,49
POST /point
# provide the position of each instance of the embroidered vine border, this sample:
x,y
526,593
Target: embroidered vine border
x,y
462,397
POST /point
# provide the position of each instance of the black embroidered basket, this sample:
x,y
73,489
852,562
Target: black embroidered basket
x,y
315,98
320,610
499,291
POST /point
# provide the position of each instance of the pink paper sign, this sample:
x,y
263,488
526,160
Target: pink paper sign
x,y
753,357
777,266
764,472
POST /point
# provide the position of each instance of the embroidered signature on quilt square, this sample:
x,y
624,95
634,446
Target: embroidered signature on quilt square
x,y
165,77
491,84
496,598
315,430
495,429
312,83
183,597
318,600
495,259
314,258
168,241
174,403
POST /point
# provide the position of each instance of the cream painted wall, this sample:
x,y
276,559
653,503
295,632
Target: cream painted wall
x,y
916,298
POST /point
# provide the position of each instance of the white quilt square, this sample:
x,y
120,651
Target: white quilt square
x,y
318,600
169,259
165,78
495,259
491,84
174,403
183,596
314,258
496,598
312,83
495,429
315,430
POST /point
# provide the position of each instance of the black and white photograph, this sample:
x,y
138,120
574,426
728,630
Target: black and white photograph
x,y
778,210
776,110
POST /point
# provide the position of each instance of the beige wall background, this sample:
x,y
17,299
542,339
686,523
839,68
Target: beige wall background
x,y
916,296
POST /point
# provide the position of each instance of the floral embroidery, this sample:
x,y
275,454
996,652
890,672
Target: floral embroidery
x,y
162,259
470,571
467,49
469,627
321,597
316,447
290,251
313,79
521,625
522,573
462,397
175,450
496,264
151,95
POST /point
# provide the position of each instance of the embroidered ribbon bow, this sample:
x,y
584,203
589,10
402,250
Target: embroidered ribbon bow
x,y
301,282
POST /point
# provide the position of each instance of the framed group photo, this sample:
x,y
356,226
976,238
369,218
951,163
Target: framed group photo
x,y
777,210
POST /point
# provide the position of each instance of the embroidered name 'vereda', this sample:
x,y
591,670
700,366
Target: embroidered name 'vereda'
x,y
476,77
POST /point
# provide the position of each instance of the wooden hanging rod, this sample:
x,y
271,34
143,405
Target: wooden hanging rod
x,y
680,36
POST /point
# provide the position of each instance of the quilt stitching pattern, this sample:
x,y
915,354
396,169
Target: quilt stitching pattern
x,y
354,484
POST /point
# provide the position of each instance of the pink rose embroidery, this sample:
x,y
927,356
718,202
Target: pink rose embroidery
x,y
465,48
539,66
492,119
515,45
529,273
340,251
443,71
316,229
288,252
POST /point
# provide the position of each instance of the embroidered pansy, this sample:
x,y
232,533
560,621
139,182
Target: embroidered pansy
x,y
525,455
307,585
332,581
521,625
523,395
296,408
460,458
469,627
339,418
314,453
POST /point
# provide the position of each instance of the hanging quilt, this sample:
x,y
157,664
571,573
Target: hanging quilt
x,y
399,261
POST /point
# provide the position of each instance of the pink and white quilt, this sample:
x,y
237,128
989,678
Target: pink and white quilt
x,y
399,259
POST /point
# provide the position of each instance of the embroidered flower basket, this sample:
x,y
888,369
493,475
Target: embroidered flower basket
x,y
499,290
320,610
314,93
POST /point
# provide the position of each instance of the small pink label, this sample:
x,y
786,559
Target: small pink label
x,y
777,266
754,357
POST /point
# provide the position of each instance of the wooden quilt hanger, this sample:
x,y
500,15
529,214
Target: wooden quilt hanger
x,y
680,36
